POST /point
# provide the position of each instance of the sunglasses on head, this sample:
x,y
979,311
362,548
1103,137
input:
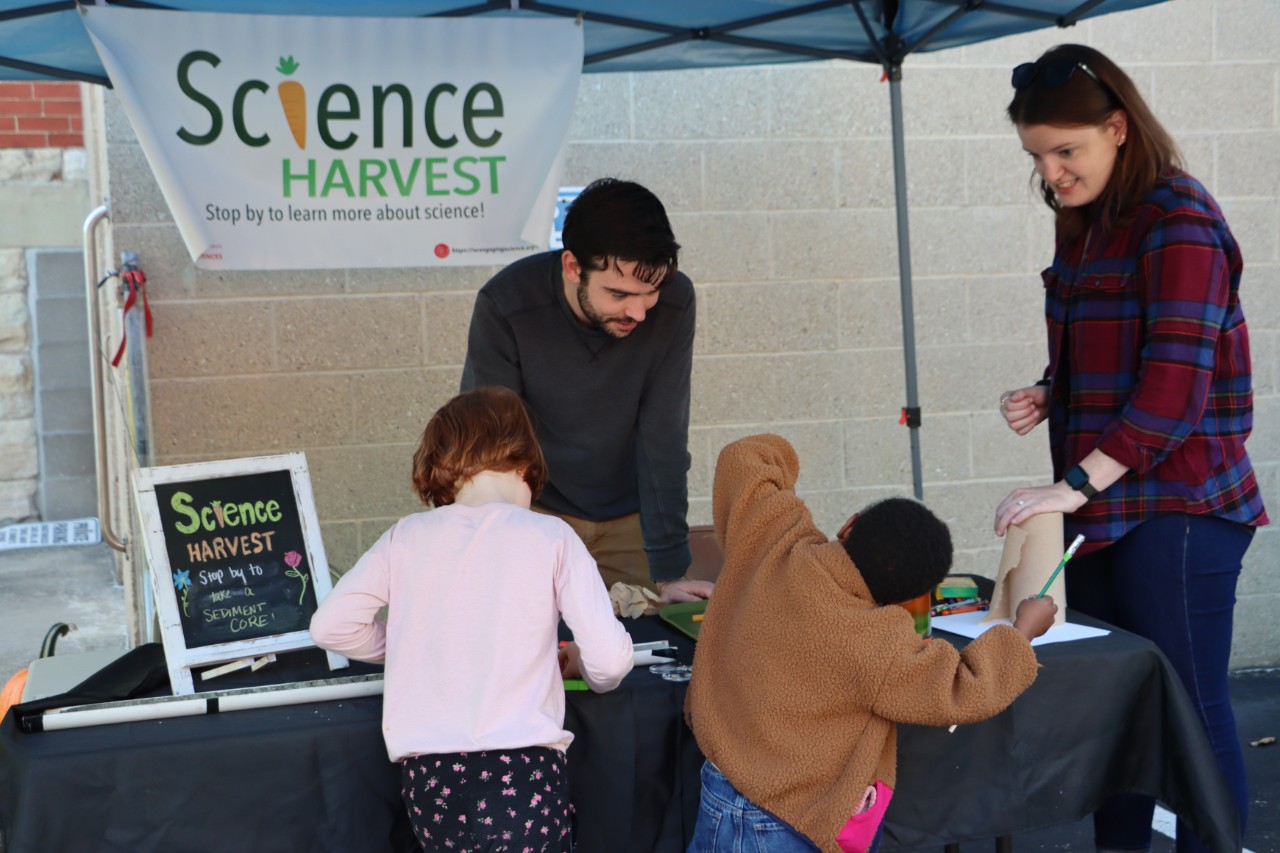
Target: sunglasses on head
x,y
1054,72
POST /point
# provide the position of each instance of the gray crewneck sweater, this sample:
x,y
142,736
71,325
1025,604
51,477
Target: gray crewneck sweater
x,y
612,414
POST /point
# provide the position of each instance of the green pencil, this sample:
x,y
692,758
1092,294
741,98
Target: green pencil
x,y
1067,556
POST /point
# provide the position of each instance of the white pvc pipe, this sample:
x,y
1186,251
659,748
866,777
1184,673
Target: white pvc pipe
x,y
189,706
89,716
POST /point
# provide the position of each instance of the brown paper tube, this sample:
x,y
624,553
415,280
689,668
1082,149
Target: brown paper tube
x,y
1032,550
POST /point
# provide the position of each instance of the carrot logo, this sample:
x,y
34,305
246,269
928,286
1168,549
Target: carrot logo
x,y
293,98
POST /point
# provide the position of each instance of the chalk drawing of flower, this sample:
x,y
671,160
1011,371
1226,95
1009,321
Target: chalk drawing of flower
x,y
182,583
294,559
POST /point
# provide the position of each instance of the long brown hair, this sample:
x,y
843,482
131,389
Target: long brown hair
x,y
1090,99
486,429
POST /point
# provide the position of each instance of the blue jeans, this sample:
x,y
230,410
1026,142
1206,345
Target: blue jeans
x,y
1172,579
730,823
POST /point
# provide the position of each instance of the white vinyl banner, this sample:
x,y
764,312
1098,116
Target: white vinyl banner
x,y
289,142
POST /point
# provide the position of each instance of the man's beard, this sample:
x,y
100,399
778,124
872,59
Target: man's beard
x,y
595,319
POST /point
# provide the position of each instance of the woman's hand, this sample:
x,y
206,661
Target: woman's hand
x,y
1025,407
1021,504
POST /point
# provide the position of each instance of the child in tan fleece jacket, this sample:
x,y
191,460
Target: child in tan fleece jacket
x,y
801,672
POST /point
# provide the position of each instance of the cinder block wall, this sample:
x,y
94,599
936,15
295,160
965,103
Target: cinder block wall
x,y
779,183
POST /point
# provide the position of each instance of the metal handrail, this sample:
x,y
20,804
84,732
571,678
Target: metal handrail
x,y
95,371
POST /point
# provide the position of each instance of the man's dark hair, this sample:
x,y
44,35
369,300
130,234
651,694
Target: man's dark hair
x,y
901,549
613,220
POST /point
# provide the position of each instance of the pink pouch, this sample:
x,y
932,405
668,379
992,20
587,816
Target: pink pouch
x,y
857,834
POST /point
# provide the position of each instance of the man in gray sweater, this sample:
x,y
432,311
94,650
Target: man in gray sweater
x,y
597,339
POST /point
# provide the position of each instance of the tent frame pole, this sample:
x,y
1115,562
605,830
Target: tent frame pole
x,y
911,413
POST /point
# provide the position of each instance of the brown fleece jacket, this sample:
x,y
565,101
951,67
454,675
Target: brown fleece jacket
x,y
799,677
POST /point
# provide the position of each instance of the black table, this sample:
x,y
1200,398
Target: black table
x,y
1105,715
316,777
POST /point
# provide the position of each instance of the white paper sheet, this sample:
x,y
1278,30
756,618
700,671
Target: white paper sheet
x,y
647,658
642,654
971,625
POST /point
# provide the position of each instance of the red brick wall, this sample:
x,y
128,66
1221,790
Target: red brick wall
x,y
40,115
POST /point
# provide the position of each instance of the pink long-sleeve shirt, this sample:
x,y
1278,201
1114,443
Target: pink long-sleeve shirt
x,y
474,595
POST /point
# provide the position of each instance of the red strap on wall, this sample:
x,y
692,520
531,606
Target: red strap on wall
x,y
135,283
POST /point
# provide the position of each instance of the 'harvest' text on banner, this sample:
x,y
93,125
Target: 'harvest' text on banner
x,y
292,142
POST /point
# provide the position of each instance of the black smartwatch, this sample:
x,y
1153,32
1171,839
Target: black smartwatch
x,y
1078,479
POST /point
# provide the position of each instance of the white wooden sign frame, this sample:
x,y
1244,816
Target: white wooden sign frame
x,y
179,658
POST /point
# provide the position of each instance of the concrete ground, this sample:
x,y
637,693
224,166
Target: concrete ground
x,y
40,587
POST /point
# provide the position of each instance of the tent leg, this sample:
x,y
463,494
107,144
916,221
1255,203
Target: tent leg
x,y
912,410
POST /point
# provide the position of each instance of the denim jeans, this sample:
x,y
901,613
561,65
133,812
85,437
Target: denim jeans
x,y
730,823
1172,579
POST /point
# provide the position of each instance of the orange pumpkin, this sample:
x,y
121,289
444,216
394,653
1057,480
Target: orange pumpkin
x,y
12,692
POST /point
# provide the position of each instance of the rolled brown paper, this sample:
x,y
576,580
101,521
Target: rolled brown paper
x,y
1032,550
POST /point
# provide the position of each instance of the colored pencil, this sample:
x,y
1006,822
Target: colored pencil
x,y
1065,557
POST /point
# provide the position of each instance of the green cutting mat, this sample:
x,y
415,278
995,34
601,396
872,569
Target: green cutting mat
x,y
681,616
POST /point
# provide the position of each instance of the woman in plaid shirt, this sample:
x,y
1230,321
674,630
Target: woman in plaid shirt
x,y
1148,392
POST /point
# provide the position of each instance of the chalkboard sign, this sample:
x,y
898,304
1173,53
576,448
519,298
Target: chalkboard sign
x,y
236,560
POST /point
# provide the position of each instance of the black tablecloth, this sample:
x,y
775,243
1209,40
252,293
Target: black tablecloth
x,y
1104,715
316,777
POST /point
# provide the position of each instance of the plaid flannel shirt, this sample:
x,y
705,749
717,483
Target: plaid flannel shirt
x,y
1149,362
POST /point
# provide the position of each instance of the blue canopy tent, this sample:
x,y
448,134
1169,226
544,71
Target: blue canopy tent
x,y
47,41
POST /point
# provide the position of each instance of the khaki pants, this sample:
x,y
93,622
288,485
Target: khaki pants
x,y
616,545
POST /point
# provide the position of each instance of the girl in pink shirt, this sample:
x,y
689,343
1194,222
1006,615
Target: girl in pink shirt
x,y
473,705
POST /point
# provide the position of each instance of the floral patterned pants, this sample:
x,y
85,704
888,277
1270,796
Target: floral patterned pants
x,y
500,800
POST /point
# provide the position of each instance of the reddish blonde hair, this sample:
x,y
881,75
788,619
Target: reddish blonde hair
x,y
486,429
